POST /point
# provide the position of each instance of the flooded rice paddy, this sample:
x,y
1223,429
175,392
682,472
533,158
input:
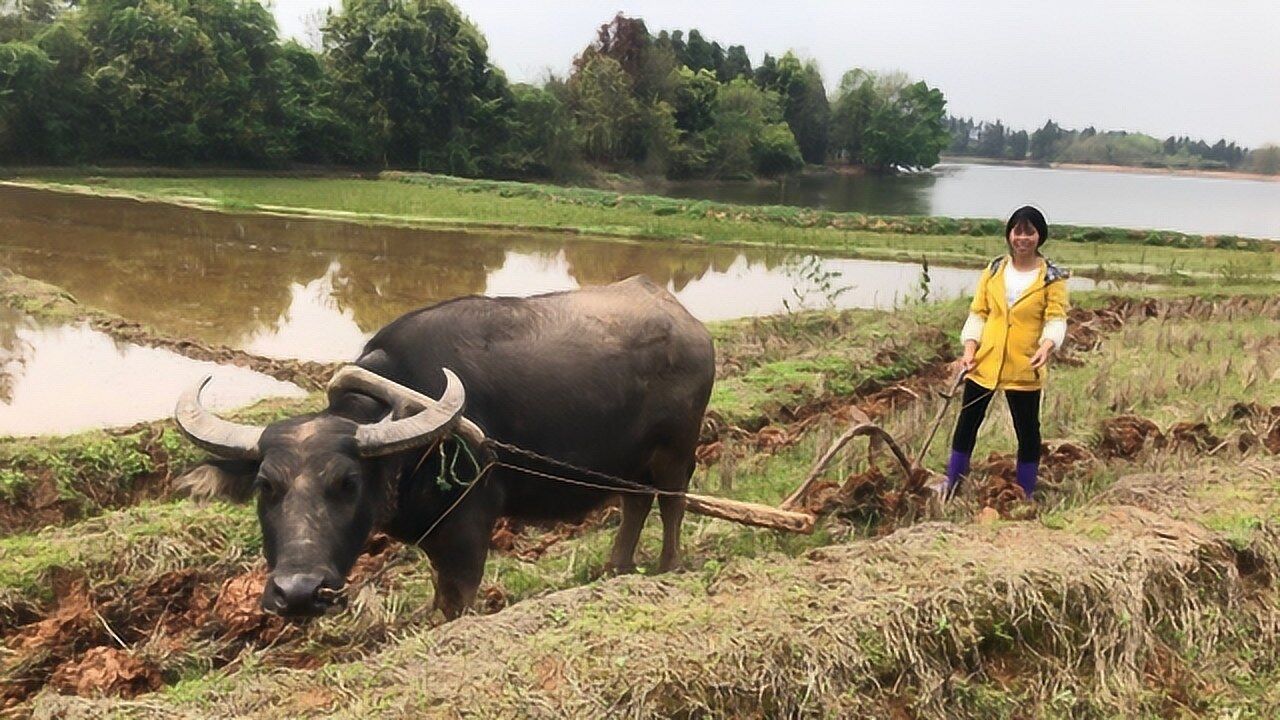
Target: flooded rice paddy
x,y
316,290
62,378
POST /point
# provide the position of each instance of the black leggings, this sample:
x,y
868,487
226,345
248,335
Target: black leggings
x,y
1024,406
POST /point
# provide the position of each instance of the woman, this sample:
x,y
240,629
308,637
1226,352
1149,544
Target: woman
x,y
1017,320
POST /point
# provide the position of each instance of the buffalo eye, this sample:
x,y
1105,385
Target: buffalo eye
x,y
346,485
267,490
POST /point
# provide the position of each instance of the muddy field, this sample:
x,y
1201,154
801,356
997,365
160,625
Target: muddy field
x,y
130,594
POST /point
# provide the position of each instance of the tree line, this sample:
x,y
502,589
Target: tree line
x,y
1053,143
409,84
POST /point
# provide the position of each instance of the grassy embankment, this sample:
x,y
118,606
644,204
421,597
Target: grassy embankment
x,y
225,540
438,201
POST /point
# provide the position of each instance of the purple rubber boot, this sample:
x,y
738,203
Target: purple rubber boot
x,y
957,468
1027,472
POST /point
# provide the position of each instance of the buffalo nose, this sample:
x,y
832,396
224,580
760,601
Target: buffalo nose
x,y
295,594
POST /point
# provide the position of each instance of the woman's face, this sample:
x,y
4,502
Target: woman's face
x,y
1024,239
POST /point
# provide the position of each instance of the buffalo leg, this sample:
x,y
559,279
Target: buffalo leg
x,y
635,509
671,472
458,555
671,507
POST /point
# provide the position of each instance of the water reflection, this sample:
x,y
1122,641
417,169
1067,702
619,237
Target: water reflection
x,y
316,289
876,194
315,326
65,378
1201,205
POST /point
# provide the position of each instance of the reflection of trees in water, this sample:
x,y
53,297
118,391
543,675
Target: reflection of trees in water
x,y
15,352
413,273
224,278
193,285
602,263
908,194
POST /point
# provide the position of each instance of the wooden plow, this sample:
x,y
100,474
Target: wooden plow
x,y
788,516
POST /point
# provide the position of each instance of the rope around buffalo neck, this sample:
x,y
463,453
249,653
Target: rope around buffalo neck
x,y
608,483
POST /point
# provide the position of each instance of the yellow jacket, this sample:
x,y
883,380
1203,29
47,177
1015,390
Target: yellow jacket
x,y
1011,334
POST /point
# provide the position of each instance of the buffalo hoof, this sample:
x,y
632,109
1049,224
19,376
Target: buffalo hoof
x,y
615,570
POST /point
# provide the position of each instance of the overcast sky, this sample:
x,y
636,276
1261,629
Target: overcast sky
x,y
1206,69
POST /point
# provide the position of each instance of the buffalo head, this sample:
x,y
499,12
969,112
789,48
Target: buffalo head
x,y
319,480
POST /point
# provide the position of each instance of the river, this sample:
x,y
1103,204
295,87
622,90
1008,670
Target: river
x,y
1203,205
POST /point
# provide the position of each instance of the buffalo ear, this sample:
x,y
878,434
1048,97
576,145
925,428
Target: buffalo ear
x,y
221,479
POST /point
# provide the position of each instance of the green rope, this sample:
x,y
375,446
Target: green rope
x,y
448,478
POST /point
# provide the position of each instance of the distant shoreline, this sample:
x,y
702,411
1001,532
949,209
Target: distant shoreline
x,y
1131,169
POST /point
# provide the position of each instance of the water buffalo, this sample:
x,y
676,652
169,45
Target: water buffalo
x,y
614,379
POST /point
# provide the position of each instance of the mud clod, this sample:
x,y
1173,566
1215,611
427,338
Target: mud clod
x,y
106,671
1126,436
238,610
1193,436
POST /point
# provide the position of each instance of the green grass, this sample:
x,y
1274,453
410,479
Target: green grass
x,y
882,348
120,548
454,202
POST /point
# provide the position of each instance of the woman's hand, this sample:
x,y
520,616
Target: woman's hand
x,y
965,363
1041,358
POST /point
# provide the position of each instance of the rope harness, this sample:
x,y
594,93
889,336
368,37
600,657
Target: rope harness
x,y
610,483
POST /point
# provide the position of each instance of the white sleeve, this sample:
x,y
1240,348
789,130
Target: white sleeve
x,y
973,328
1055,329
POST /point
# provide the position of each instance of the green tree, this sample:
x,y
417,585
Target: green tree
x,y
748,134
542,134
1018,143
1044,141
24,19
695,100
804,102
694,118
888,121
991,140
775,151
961,130
306,122
1265,159
605,110
177,81
421,73
25,71
71,130
701,55
737,64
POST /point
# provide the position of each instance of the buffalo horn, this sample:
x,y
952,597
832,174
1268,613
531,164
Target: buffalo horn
x,y
354,377
393,436
223,438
